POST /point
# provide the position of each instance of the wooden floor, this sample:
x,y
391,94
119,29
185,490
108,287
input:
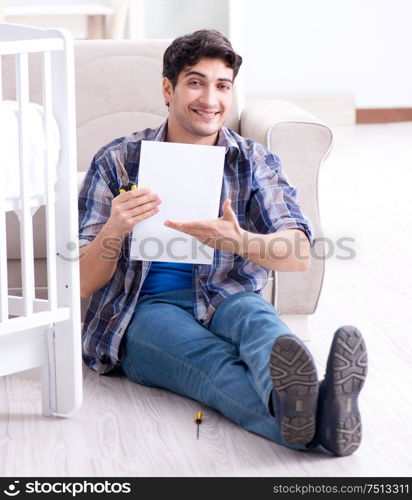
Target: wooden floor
x,y
124,429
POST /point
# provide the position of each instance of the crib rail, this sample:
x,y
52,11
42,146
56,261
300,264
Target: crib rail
x,y
30,46
38,319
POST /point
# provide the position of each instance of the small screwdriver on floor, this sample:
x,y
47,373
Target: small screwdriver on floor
x,y
198,420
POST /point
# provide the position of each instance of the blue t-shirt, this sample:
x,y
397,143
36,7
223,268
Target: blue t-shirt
x,y
165,276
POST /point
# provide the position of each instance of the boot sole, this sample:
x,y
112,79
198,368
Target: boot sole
x,y
296,385
346,374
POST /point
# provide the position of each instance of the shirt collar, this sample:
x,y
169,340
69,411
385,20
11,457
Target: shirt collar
x,y
227,140
224,138
160,134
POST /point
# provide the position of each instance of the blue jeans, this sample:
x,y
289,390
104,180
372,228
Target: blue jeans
x,y
224,366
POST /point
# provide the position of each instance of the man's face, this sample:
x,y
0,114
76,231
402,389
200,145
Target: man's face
x,y
200,102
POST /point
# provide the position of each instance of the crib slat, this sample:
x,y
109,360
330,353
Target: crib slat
x,y
28,46
49,185
42,318
26,226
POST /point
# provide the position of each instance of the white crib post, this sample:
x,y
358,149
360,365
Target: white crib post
x,y
49,185
26,225
49,392
66,359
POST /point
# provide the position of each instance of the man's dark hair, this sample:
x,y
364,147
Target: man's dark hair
x,y
187,50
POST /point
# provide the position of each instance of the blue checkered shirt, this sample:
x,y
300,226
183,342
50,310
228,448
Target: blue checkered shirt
x,y
262,199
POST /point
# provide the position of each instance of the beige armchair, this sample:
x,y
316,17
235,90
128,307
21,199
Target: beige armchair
x,y
118,91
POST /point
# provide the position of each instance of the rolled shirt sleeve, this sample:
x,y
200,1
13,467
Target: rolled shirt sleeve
x,y
94,202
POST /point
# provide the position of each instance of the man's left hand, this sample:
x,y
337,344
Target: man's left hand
x,y
223,233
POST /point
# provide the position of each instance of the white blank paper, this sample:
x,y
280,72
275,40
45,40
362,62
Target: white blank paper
x,y
188,179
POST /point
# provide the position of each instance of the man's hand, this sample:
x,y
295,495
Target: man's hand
x,y
286,250
131,207
223,233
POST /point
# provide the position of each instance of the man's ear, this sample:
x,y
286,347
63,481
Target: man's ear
x,y
167,89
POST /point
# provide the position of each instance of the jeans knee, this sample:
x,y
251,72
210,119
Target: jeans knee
x,y
245,304
247,312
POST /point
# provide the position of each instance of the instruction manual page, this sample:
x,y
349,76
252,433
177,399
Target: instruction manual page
x,y
188,179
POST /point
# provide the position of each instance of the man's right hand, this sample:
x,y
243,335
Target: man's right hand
x,y
131,207
128,209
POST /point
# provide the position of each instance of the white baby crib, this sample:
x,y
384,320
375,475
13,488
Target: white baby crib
x,y
41,332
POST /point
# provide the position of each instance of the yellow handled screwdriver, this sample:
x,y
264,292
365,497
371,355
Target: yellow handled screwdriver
x,y
126,184
198,420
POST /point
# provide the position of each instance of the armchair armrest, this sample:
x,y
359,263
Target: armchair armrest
x,y
302,142
258,118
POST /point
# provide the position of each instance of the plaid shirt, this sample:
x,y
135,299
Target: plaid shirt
x,y
262,199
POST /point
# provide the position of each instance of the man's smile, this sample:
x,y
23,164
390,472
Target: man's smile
x,y
206,114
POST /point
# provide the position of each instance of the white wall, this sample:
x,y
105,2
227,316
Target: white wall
x,y
301,48
312,47
173,18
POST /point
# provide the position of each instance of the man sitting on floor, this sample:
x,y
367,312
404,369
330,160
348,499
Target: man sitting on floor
x,y
203,331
